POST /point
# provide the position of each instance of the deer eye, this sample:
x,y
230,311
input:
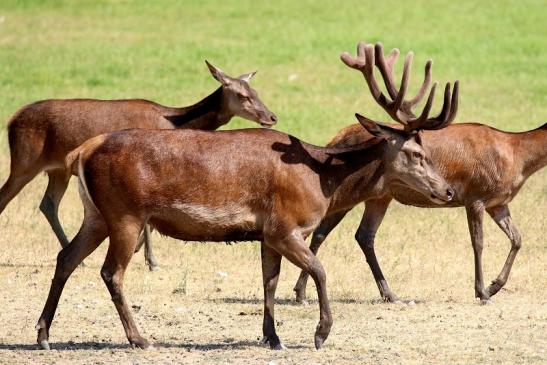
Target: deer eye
x,y
417,155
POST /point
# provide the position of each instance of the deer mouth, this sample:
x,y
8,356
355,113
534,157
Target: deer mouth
x,y
266,124
442,199
438,200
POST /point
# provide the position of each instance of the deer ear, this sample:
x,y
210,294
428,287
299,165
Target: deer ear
x,y
247,77
378,130
218,74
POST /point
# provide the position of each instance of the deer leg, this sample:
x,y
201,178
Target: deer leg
x,y
375,211
146,239
475,213
502,217
92,232
148,254
26,147
294,249
271,264
123,239
318,237
13,185
56,188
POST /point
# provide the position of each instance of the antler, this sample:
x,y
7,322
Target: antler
x,y
396,106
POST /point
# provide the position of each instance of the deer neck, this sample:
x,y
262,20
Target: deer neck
x,y
353,175
533,148
207,114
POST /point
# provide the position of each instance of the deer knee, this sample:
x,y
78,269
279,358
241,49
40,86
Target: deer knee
x,y
316,271
107,276
46,205
113,284
365,239
516,240
64,267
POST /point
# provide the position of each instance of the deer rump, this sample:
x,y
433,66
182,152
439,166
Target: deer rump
x,y
195,185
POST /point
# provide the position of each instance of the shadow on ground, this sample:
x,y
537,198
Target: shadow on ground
x,y
71,346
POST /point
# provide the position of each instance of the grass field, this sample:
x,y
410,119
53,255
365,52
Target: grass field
x,y
155,50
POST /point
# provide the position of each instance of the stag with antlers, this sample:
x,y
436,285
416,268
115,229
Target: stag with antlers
x,y
274,188
485,165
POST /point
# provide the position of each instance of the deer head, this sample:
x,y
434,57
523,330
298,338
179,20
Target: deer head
x,y
408,162
240,99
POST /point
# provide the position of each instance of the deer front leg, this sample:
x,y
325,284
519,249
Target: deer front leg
x,y
375,211
271,265
502,217
318,237
475,213
294,249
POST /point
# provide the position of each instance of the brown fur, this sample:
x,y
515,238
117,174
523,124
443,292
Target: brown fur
x,y
42,133
486,167
252,184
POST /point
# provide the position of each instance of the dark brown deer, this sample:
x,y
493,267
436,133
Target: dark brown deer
x,y
245,185
487,167
42,133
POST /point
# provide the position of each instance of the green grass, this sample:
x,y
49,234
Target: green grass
x,y
155,50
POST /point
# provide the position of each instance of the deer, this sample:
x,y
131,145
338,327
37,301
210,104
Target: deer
x,y
42,133
232,186
486,166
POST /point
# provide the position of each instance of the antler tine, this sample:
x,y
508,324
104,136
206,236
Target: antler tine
x,y
404,85
392,57
454,102
386,67
358,62
369,76
448,112
442,117
427,80
419,122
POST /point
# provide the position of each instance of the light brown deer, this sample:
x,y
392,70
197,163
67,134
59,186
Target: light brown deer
x,y
42,133
487,167
244,185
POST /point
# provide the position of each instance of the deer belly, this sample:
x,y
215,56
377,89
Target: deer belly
x,y
198,222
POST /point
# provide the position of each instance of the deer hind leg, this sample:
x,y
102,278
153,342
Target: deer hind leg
x,y
56,188
375,211
17,180
502,217
271,265
123,240
475,214
92,232
318,237
146,239
294,249
26,147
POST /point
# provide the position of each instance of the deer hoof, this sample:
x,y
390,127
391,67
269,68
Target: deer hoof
x,y
44,345
153,268
139,343
486,302
279,347
318,342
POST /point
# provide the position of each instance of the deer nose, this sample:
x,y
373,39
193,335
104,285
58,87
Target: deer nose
x,y
273,118
450,193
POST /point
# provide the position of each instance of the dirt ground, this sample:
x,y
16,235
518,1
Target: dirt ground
x,y
205,304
